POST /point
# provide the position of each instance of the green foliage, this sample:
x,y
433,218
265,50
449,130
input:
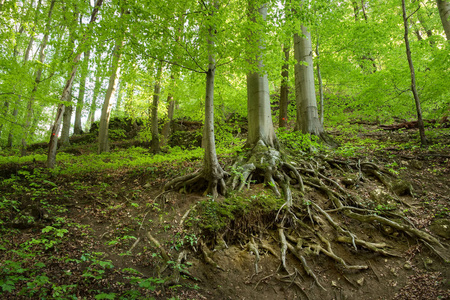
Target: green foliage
x,y
297,141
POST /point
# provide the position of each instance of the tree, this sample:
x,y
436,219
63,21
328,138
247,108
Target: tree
x,y
263,160
307,115
77,127
103,145
212,173
53,144
423,139
154,144
444,13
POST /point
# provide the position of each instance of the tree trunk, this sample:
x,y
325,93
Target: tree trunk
x,y
212,169
53,144
5,112
319,77
260,125
37,79
65,131
10,142
81,92
282,121
154,144
307,116
93,108
168,122
444,13
423,140
103,145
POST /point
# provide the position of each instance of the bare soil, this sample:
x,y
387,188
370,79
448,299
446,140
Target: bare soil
x,y
130,203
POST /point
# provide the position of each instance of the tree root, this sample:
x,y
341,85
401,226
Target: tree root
x,y
265,164
207,256
252,247
212,182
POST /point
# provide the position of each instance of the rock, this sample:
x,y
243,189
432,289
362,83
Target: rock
x,y
441,227
360,281
407,266
334,283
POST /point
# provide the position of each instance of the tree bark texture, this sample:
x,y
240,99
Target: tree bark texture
x,y
65,131
444,13
53,144
307,115
284,101
103,145
81,92
37,79
423,140
93,108
260,125
319,78
154,144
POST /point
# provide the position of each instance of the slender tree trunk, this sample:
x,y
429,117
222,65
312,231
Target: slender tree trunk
x,y
212,168
103,145
37,79
118,109
307,116
154,144
260,125
53,144
5,112
423,140
282,121
93,107
319,77
444,13
168,121
14,115
65,131
77,129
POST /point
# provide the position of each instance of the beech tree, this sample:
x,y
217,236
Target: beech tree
x,y
103,145
51,156
212,175
444,13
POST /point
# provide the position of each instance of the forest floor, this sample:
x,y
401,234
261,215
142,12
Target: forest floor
x,y
85,231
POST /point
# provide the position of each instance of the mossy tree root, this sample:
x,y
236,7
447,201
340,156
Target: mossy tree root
x,y
213,183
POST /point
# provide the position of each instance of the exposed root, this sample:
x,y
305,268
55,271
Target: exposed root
x,y
207,256
265,164
211,181
252,247
163,252
375,247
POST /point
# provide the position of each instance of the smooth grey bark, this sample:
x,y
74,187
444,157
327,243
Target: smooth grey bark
x,y
65,131
5,112
444,13
423,140
10,141
319,78
37,80
77,129
168,121
284,89
260,125
93,107
103,144
53,144
154,143
307,116
211,169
